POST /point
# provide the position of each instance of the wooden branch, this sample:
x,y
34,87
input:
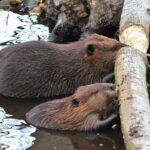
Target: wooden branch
x,y
131,85
130,72
135,24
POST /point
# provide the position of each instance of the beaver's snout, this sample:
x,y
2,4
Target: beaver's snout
x,y
64,32
90,107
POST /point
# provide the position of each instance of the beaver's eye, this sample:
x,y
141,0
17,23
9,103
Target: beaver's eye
x,y
75,103
90,49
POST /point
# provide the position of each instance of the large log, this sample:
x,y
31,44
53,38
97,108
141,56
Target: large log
x,y
130,72
134,102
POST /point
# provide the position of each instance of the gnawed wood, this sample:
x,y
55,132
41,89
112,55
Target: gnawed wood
x,y
130,71
135,36
135,24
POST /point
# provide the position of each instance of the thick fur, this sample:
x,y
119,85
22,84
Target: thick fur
x,y
90,107
42,69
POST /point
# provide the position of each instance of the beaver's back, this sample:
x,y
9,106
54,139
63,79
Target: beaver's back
x,y
43,69
31,69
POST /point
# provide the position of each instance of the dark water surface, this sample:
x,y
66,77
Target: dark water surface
x,y
15,133
109,139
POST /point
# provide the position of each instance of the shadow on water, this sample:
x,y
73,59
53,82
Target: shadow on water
x,y
15,134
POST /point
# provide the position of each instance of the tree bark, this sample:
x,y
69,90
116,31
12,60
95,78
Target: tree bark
x,y
130,73
131,88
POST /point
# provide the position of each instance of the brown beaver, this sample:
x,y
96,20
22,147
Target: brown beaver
x,y
43,69
67,20
90,107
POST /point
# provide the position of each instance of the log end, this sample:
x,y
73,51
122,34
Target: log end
x,y
135,37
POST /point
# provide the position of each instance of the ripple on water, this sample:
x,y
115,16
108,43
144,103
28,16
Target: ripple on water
x,y
15,134
15,28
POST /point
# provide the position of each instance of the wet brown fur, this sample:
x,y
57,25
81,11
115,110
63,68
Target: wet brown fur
x,y
96,102
42,69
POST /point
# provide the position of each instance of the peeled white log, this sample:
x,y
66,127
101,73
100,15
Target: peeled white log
x,y
130,73
131,88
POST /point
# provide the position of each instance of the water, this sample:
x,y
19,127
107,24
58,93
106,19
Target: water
x,y
15,133
16,28
109,139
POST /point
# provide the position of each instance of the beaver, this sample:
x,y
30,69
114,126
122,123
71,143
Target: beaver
x,y
39,69
72,18
90,107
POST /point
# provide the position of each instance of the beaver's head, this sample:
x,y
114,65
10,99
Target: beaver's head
x,y
65,20
88,108
64,32
100,52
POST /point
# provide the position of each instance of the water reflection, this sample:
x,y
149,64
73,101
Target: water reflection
x,y
15,28
76,141
15,134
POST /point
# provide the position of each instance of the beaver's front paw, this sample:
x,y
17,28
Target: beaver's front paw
x,y
108,78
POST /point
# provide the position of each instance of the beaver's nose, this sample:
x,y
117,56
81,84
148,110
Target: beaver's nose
x,y
53,38
55,35
64,33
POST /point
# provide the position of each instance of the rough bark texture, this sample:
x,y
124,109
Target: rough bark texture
x,y
131,75
135,23
130,71
104,13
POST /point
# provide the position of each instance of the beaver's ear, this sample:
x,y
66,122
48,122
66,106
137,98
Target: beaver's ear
x,y
90,48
